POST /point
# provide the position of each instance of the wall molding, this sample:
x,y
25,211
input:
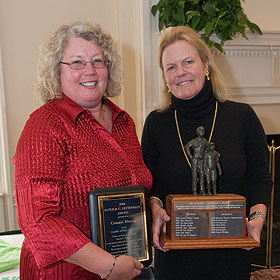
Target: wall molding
x,y
266,39
256,95
252,50
258,58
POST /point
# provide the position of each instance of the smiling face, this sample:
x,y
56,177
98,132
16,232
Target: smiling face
x,y
184,71
87,86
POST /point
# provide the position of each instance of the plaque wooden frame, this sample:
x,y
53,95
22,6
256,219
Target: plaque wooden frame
x,y
119,221
210,208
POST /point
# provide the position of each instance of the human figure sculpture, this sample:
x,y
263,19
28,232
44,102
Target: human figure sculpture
x,y
211,164
195,150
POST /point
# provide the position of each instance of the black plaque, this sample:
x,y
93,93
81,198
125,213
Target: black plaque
x,y
190,224
226,224
119,221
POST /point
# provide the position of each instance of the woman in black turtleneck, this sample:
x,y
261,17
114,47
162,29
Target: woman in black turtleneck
x,y
194,90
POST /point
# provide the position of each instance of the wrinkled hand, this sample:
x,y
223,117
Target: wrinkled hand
x,y
126,268
159,219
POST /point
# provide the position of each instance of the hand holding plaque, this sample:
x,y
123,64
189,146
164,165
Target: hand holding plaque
x,y
205,219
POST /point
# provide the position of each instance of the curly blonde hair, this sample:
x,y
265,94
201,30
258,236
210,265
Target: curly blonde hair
x,y
51,52
173,34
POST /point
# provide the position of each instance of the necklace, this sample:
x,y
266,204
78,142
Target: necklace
x,y
179,134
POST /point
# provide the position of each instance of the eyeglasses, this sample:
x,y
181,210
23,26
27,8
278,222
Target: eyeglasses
x,y
81,64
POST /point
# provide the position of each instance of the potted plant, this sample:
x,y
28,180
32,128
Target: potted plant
x,y
216,20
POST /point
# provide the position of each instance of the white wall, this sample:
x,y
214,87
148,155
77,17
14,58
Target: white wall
x,y
265,13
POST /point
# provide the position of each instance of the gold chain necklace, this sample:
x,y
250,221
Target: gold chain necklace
x,y
179,134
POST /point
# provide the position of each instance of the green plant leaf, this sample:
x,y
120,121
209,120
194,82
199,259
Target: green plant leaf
x,y
157,7
208,28
195,21
224,18
205,38
154,10
209,8
191,14
218,19
181,5
211,43
179,13
242,32
219,47
160,22
253,27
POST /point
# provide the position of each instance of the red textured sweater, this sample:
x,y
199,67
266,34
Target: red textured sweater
x,y
61,155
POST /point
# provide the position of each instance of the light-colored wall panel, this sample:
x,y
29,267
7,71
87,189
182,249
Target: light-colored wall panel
x,y
130,44
152,76
265,13
251,69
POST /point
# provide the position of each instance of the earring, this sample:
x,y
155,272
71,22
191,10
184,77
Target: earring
x,y
168,90
207,75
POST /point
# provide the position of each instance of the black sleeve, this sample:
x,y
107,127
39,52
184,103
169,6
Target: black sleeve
x,y
150,151
258,177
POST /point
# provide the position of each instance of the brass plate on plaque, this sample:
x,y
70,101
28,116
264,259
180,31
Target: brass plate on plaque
x,y
206,222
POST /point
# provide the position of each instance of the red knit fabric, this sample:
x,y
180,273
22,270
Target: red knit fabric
x,y
61,155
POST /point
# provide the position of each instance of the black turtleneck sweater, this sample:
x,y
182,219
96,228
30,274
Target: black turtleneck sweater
x,y
239,138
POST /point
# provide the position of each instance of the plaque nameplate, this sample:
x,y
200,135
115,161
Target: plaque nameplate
x,y
119,221
206,222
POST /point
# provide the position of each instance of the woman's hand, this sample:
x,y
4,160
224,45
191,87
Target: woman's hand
x,y
254,226
159,219
254,229
94,259
126,268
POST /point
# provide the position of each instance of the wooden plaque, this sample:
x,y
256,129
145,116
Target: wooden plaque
x,y
206,222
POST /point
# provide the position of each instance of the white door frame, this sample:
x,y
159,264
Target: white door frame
x,y
5,182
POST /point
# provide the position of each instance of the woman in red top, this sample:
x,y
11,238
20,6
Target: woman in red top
x,y
78,140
